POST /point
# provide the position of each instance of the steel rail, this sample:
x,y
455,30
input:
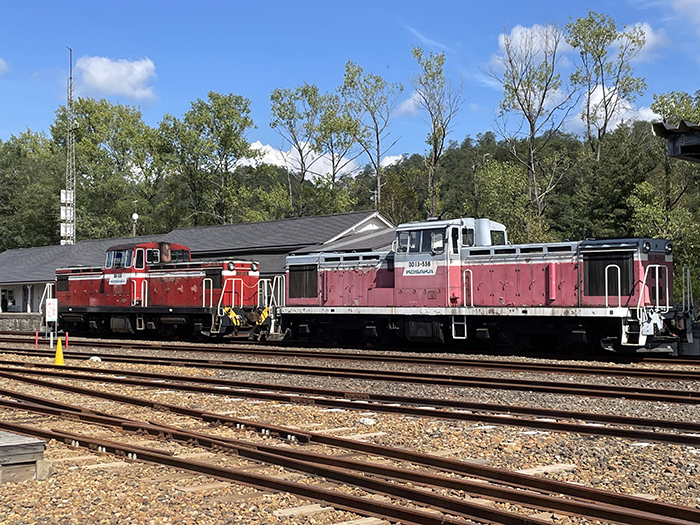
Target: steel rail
x,y
350,503
485,364
455,404
407,359
606,391
308,462
637,516
359,404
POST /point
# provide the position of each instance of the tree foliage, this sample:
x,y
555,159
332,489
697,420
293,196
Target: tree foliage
x,y
440,100
370,101
604,74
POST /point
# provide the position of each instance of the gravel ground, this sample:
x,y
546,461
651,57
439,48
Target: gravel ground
x,y
149,494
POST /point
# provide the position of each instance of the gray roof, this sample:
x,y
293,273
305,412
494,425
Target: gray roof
x,y
266,242
374,241
279,236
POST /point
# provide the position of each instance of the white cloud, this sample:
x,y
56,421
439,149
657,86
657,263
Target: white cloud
x,y
116,77
653,41
527,43
3,66
410,106
426,41
391,159
688,10
320,164
625,113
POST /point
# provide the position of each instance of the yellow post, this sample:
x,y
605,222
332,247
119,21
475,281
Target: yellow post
x,y
59,354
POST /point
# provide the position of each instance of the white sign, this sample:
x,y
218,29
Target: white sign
x,y
52,310
117,278
414,268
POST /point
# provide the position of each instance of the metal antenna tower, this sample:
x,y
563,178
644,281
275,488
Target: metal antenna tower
x,y
68,195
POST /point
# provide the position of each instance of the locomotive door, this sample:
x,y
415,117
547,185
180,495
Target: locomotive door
x,y
138,280
454,268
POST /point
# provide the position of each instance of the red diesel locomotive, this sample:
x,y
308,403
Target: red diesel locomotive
x,y
456,282
460,281
155,288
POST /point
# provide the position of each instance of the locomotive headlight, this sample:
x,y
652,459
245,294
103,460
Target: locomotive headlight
x,y
669,248
254,267
230,266
646,247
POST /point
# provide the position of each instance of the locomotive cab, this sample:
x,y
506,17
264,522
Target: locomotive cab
x,y
155,288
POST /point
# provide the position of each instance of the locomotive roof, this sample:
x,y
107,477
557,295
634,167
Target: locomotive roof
x,y
469,222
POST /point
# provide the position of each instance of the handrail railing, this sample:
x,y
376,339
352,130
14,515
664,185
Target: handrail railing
x,y
687,290
233,282
271,292
656,267
607,288
471,287
144,293
204,292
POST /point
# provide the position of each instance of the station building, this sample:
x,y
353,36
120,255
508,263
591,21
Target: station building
x,y
27,275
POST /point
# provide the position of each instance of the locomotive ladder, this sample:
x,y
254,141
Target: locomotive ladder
x,y
649,317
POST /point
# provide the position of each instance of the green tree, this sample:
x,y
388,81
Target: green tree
x,y
337,138
295,116
440,100
107,138
604,74
371,101
32,172
503,198
405,189
205,147
534,92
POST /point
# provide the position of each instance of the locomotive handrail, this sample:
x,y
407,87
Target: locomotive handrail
x,y
687,290
233,291
656,288
204,292
144,293
471,287
607,289
272,294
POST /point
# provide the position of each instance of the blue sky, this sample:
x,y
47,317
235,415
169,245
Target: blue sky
x,y
161,56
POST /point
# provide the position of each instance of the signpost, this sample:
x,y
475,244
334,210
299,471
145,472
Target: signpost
x,y
52,316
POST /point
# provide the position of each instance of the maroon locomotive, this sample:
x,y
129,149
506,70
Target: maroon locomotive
x,y
460,281
155,288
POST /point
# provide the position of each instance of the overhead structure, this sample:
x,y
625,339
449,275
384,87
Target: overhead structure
x,y
683,140
68,195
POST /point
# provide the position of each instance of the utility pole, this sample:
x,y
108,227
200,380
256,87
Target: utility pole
x,y
68,195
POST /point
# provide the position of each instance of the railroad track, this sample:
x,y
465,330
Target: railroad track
x,y
534,418
362,355
448,380
527,491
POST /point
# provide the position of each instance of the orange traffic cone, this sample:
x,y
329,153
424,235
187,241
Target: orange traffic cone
x,y
59,354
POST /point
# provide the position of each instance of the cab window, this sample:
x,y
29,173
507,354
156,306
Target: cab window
x,y
110,260
454,235
402,246
467,236
433,241
138,265
122,259
152,256
498,237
